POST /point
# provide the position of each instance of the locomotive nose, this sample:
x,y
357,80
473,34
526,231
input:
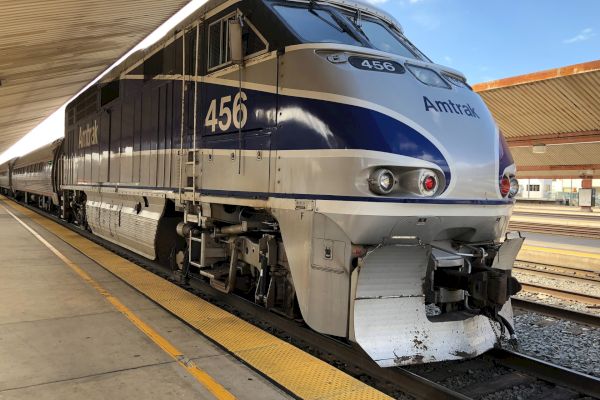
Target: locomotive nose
x,y
467,135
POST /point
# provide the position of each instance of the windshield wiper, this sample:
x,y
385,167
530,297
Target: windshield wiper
x,y
340,21
316,14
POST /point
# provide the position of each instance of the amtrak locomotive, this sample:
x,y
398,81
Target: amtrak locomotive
x,y
306,155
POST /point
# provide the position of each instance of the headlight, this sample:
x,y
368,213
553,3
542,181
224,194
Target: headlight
x,y
514,187
382,181
428,183
427,76
422,182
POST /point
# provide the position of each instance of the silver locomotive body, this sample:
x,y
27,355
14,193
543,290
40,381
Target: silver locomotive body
x,y
353,247
364,188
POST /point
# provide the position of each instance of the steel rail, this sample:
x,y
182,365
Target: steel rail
x,y
562,294
557,270
582,383
556,276
557,312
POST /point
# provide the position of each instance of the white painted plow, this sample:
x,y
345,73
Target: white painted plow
x,y
389,317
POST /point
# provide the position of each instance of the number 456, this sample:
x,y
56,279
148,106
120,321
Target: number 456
x,y
237,114
379,65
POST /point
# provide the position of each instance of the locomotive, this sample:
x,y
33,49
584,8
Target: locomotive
x,y
305,155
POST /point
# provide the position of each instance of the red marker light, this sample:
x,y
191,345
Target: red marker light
x,y
504,186
429,183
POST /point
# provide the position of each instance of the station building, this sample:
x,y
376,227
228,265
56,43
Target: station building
x,y
551,121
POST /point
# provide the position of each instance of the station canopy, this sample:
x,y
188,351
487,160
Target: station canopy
x,y
550,119
50,50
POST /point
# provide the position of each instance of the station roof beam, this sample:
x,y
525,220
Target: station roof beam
x,y
50,50
551,120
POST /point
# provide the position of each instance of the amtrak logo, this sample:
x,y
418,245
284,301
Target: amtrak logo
x,y
88,136
450,107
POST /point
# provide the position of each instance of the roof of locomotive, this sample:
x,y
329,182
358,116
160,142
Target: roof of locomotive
x,y
211,5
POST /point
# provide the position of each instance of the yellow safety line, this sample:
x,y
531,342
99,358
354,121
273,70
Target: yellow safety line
x,y
293,369
562,251
206,380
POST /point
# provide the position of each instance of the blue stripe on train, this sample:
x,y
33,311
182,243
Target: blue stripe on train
x,y
298,123
506,159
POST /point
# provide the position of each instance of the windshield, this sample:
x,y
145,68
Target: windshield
x,y
383,39
326,25
316,25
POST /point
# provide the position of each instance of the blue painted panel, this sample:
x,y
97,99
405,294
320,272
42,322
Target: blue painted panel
x,y
260,105
311,124
317,124
506,159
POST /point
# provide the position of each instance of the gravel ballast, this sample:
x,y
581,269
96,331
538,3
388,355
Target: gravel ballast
x,y
562,342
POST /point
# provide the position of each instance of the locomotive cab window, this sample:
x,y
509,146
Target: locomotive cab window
x,y
253,42
382,38
317,25
218,42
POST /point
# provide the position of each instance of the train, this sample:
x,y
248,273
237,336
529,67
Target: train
x,y
307,156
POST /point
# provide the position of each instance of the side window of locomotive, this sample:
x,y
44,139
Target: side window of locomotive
x,y
218,47
218,42
315,25
252,42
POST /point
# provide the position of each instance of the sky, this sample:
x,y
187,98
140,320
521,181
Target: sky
x,y
493,39
484,39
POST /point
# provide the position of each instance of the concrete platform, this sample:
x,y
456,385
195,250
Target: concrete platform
x,y
555,209
561,250
563,242
61,339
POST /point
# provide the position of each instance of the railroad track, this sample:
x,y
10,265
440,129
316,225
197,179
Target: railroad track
x,y
593,301
513,369
508,369
555,229
556,312
557,270
559,273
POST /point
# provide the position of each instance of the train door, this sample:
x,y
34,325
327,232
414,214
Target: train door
x,y
237,112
